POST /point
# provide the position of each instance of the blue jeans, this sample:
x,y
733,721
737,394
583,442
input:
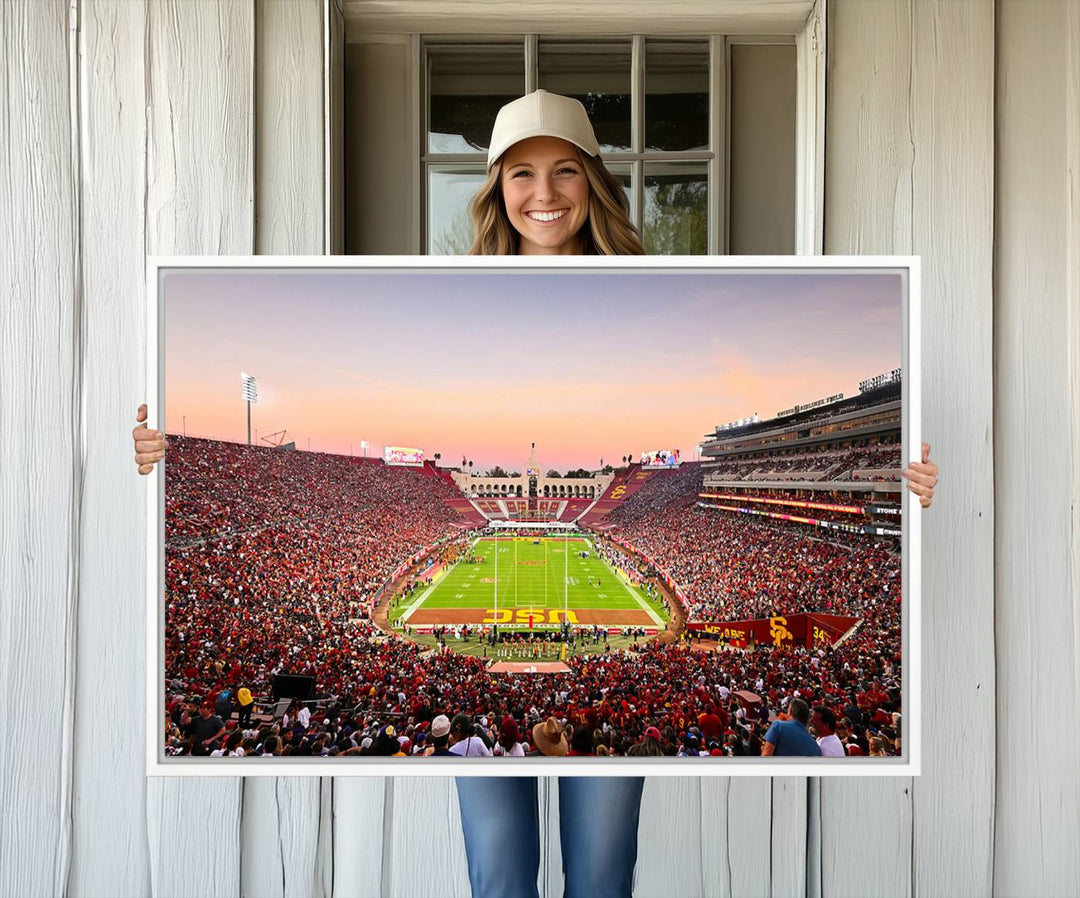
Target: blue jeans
x,y
598,823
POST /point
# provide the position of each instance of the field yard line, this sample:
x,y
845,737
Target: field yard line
x,y
641,602
442,575
419,600
644,606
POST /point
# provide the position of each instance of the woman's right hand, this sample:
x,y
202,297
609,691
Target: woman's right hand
x,y
149,444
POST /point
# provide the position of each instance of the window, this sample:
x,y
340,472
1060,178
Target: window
x,y
660,108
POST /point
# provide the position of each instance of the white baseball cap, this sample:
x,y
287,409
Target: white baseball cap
x,y
541,114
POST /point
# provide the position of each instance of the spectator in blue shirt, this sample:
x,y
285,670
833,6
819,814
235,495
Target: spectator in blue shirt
x,y
791,738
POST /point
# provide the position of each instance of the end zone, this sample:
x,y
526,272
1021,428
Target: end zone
x,y
531,617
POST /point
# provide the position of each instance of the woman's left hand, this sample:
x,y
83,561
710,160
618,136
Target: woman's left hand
x,y
922,477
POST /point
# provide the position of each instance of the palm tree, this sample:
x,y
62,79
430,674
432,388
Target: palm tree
x,y
470,466
438,455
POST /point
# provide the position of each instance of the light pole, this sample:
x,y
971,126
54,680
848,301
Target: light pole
x,y
250,392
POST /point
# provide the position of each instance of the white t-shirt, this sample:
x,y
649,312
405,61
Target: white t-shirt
x,y
831,747
304,715
516,751
472,747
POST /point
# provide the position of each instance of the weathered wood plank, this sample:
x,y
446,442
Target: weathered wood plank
x,y
424,848
736,835
868,196
360,826
1037,448
866,837
193,828
199,200
551,875
788,838
279,834
289,127
868,152
200,185
282,817
952,82
40,478
669,838
910,171
110,779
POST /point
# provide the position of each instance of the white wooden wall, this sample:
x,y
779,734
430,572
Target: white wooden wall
x,y
189,126
909,146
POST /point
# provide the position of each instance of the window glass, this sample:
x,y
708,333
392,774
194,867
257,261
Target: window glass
x,y
676,209
449,192
597,74
676,95
467,84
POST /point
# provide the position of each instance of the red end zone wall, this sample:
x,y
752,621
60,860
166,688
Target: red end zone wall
x,y
792,629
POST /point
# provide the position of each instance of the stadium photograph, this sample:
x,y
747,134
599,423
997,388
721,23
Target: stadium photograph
x,y
482,514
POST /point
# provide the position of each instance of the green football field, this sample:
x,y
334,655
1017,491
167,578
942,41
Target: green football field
x,y
541,582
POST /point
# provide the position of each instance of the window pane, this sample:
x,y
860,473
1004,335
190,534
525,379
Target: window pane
x,y
449,192
597,74
467,84
676,95
623,174
676,209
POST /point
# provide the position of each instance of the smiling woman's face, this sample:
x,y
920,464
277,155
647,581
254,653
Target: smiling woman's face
x,y
546,195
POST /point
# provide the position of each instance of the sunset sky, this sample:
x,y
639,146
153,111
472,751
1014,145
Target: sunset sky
x,y
587,365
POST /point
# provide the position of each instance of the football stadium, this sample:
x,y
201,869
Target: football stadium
x,y
329,605
546,582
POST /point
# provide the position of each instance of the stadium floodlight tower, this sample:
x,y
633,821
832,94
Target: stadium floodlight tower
x,y
250,391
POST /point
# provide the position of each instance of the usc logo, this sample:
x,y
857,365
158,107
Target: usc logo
x,y
778,630
617,493
529,616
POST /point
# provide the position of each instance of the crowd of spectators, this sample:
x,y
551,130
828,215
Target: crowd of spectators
x,y
735,567
607,704
839,464
270,554
272,558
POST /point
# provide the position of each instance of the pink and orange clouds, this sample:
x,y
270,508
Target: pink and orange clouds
x,y
480,365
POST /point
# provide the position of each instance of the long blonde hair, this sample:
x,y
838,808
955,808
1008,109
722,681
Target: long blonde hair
x,y
607,232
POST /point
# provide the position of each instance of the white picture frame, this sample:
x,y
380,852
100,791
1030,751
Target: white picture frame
x,y
908,764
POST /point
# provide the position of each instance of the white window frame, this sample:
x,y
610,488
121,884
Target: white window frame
x,y
809,42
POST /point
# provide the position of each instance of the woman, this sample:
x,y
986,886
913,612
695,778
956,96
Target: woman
x,y
548,193
508,744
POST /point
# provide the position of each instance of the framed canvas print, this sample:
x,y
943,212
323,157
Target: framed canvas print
x,y
507,516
